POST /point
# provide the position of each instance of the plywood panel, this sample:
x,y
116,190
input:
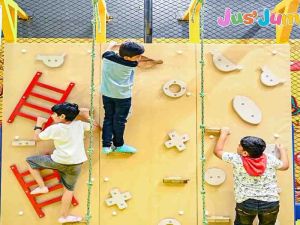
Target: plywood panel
x,y
274,102
154,115
19,70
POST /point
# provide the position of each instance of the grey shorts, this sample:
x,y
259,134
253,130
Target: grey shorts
x,y
68,173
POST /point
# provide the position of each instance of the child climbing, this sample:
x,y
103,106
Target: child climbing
x,y
255,181
68,156
116,87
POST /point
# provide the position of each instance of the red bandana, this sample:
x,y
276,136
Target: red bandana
x,y
255,166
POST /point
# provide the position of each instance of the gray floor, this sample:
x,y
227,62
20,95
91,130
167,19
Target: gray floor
x,y
71,19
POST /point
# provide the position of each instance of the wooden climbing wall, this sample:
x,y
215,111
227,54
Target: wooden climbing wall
x,y
154,115
20,67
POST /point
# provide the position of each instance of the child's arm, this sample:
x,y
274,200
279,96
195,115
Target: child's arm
x,y
283,157
113,46
85,114
218,150
38,127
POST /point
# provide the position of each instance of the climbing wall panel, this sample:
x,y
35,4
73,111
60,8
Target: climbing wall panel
x,y
20,67
154,115
273,102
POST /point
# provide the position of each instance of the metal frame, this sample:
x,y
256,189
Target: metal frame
x,y
10,13
285,7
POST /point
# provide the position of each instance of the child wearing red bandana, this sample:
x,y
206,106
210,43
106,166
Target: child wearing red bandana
x,y
255,181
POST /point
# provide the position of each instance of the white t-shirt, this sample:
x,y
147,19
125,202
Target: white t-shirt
x,y
68,141
263,188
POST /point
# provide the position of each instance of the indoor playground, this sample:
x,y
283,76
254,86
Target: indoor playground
x,y
207,64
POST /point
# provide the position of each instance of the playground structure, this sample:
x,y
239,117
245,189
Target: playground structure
x,y
154,164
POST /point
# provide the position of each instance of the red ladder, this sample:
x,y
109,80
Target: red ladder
x,y
29,92
32,198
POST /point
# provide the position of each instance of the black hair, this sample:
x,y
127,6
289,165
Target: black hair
x,y
255,146
131,49
70,110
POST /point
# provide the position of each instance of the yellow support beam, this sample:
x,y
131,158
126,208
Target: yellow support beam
x,y
192,14
10,13
101,22
289,9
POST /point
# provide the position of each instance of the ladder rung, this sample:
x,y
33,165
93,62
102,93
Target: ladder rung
x,y
45,178
24,174
27,116
50,87
50,201
44,97
37,107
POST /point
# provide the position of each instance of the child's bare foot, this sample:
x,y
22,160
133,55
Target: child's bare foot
x,y
39,190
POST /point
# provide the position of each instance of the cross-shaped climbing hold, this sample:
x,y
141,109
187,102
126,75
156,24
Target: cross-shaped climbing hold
x,y
118,198
177,140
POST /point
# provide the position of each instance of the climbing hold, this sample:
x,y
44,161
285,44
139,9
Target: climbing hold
x,y
89,51
17,138
118,198
51,60
23,51
247,109
114,213
175,180
215,176
21,213
223,64
105,179
21,143
181,212
179,52
177,140
268,78
169,221
211,136
297,158
188,94
180,84
274,52
276,136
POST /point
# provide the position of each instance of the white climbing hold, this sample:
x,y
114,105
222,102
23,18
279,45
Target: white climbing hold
x,y
272,150
169,221
181,212
23,50
274,52
17,138
177,140
92,179
276,136
21,213
268,78
179,52
247,109
51,60
188,94
211,136
89,51
106,179
215,176
118,198
114,213
222,63
181,86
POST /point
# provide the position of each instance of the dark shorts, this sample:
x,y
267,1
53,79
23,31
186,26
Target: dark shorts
x,y
68,173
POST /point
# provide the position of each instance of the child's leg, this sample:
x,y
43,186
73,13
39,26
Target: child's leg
x,y
119,120
268,212
245,212
107,130
66,202
36,175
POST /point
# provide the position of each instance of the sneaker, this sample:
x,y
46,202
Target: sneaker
x,y
39,190
125,149
69,219
106,150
